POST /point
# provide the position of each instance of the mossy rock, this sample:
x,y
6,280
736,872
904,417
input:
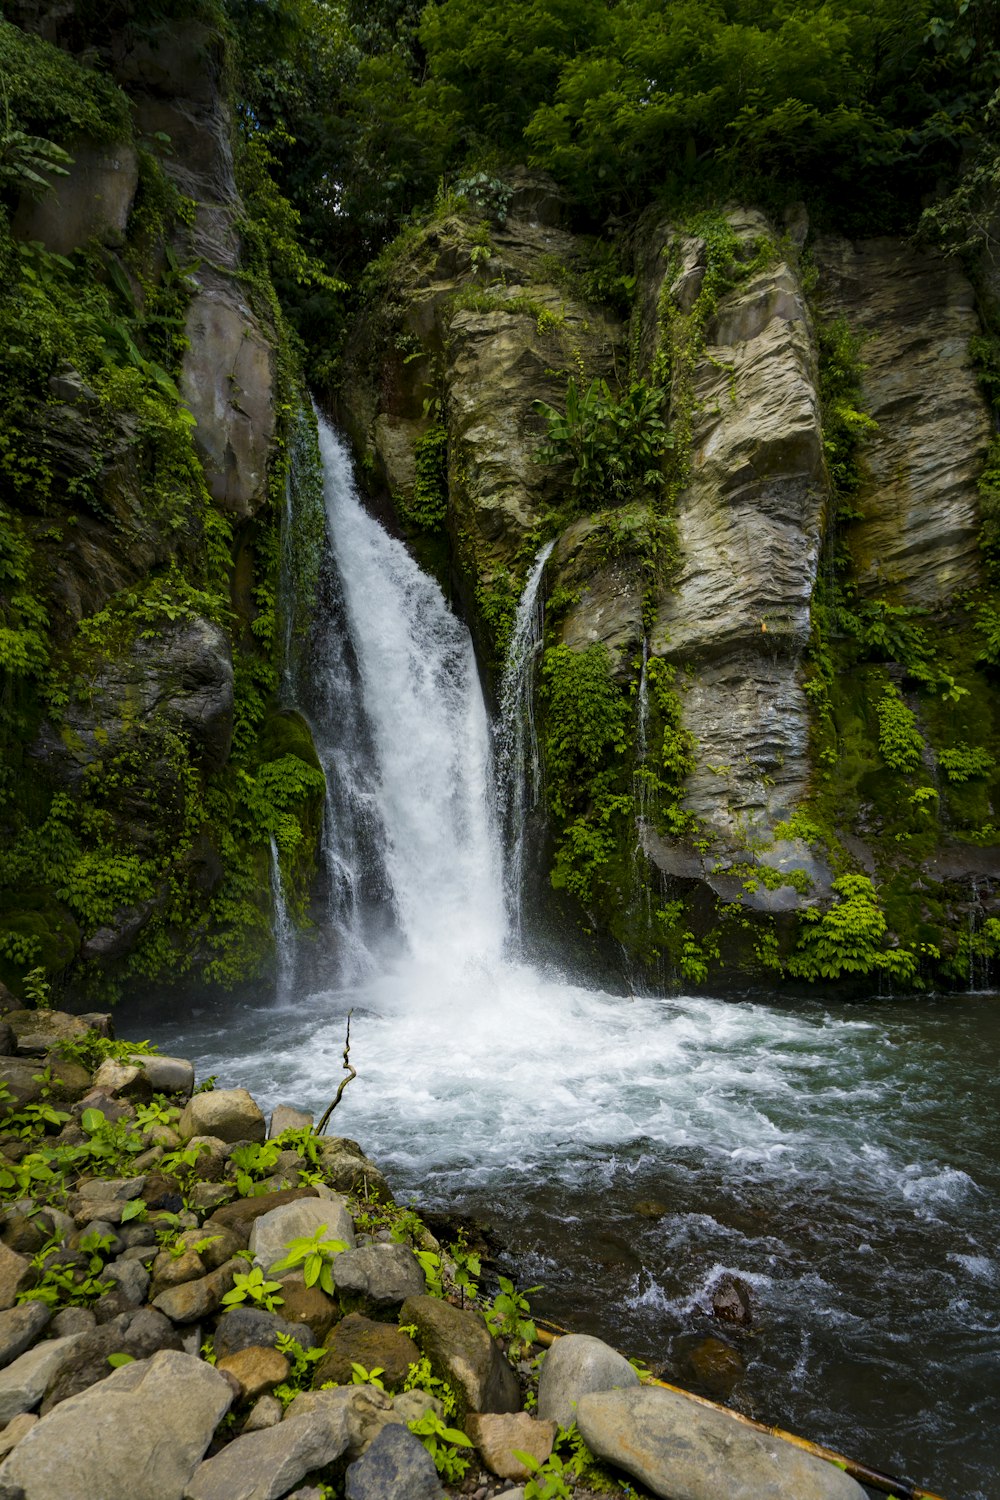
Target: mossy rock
x,y
39,930
286,732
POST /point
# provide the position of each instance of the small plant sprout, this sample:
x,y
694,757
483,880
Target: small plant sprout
x,y
441,1442
315,1255
361,1376
252,1287
509,1316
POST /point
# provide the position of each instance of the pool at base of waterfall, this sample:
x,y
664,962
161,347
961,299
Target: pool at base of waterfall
x,y
629,1151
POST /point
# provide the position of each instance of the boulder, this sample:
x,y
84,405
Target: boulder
x,y
574,1366
683,1451
132,1279
228,1114
732,1301
359,1340
142,1431
265,1465
36,1031
346,1168
267,1412
250,1328
273,1232
23,1383
15,1431
196,1299
166,1075
286,1117
125,1080
20,1327
384,1275
92,201
368,1410
68,1081
461,1351
498,1437
308,1306
17,1274
104,1189
141,1334
241,1215
256,1370
396,1466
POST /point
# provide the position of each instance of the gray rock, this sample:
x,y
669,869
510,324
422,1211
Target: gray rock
x,y
196,1299
21,1326
266,1465
140,1432
22,1384
396,1466
574,1366
119,1189
460,1350
384,1274
273,1232
92,201
347,1168
206,1197
15,1431
286,1117
166,1075
73,1320
38,1030
251,1328
227,1114
367,1410
227,382
683,1451
266,1412
140,1333
919,500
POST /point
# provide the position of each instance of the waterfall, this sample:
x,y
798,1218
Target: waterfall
x,y
518,765
283,931
417,765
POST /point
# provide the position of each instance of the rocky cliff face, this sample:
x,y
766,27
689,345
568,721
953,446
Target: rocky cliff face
x,y
145,534
793,600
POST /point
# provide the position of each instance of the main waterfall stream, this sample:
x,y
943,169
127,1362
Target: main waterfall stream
x,y
841,1159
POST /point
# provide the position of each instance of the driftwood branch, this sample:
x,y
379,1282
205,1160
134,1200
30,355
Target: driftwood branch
x,y
351,1073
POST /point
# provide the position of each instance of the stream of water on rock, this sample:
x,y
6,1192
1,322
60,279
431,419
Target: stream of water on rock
x,y
842,1159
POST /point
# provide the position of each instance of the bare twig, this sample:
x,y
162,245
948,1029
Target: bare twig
x,y
351,1073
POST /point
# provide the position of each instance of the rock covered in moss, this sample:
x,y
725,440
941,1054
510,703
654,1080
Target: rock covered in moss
x,y
461,1351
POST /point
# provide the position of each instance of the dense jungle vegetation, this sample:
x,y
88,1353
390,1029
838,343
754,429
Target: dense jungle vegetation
x,y
353,121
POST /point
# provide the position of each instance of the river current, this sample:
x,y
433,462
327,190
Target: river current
x,y
842,1160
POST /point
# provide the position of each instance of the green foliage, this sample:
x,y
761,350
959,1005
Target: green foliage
x,y
844,426
509,1316
314,1253
253,1163
70,1285
586,721
420,1377
615,444
441,1442
427,507
48,93
899,740
848,938
962,762
252,1286
301,1362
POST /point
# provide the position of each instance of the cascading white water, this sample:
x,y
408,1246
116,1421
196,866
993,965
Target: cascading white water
x,y
519,774
430,735
844,1162
283,931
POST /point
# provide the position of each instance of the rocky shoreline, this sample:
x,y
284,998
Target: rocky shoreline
x,y
199,1304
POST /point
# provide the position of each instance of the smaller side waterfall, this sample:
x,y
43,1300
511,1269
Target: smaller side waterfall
x,y
284,932
518,766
